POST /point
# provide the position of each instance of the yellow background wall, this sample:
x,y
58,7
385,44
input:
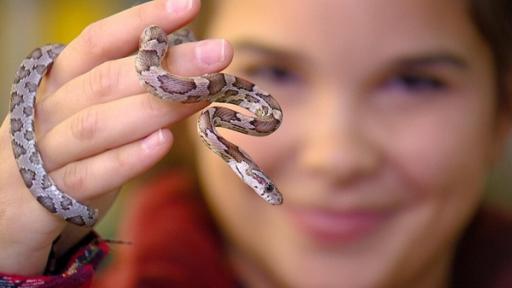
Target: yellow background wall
x,y
25,24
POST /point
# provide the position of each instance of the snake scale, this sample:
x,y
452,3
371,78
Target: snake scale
x,y
215,87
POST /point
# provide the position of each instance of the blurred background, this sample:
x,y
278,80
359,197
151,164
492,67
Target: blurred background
x,y
26,24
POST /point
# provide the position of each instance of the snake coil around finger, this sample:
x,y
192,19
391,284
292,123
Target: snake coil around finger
x,y
215,87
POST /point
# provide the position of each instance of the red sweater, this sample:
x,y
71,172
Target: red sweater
x,y
175,244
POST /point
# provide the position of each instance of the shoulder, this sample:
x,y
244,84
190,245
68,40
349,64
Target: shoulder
x,y
484,254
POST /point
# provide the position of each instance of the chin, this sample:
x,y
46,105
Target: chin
x,y
330,272
351,257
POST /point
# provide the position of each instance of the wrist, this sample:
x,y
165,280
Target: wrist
x,y
74,269
19,260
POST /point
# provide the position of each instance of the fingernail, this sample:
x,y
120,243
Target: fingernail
x,y
211,52
153,141
178,6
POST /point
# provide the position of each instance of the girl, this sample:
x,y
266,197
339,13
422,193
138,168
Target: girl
x,y
394,113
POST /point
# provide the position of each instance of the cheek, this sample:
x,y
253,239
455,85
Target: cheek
x,y
439,157
450,150
444,157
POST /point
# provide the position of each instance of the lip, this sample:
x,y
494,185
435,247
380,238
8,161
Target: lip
x,y
327,226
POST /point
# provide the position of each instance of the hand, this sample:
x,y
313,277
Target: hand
x,y
96,127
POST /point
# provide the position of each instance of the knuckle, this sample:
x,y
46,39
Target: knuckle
x,y
88,39
152,106
85,125
74,178
122,159
140,15
102,80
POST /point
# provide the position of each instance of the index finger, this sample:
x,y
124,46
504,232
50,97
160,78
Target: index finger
x,y
117,36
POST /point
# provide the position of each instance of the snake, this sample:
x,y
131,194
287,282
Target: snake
x,y
264,118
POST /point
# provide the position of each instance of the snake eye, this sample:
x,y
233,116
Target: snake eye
x,y
269,188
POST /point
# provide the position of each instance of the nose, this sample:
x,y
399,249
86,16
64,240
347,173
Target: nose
x,y
336,143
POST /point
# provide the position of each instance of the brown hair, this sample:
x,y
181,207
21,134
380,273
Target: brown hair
x,y
493,19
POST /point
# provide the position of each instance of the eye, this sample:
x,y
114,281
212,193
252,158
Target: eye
x,y
416,82
273,74
269,188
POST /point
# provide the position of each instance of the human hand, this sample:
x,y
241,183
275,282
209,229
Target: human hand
x,y
96,128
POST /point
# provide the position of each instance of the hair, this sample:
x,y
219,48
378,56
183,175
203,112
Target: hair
x,y
493,19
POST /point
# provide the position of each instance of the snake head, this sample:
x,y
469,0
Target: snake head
x,y
271,194
260,183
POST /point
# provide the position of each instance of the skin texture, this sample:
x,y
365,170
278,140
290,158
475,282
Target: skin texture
x,y
387,118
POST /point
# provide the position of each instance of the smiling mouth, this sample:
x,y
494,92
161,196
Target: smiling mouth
x,y
336,227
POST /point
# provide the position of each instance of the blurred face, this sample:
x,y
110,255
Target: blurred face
x,y
389,131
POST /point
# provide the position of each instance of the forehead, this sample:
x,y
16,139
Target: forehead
x,y
323,28
334,7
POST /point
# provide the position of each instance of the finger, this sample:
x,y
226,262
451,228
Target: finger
x,y
117,78
109,125
117,36
90,177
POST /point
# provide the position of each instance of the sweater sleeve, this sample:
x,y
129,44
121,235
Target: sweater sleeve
x,y
77,268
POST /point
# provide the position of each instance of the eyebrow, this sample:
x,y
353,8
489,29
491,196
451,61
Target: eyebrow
x,y
412,61
264,49
444,58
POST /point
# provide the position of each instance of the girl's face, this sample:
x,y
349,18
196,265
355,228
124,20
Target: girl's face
x,y
390,128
